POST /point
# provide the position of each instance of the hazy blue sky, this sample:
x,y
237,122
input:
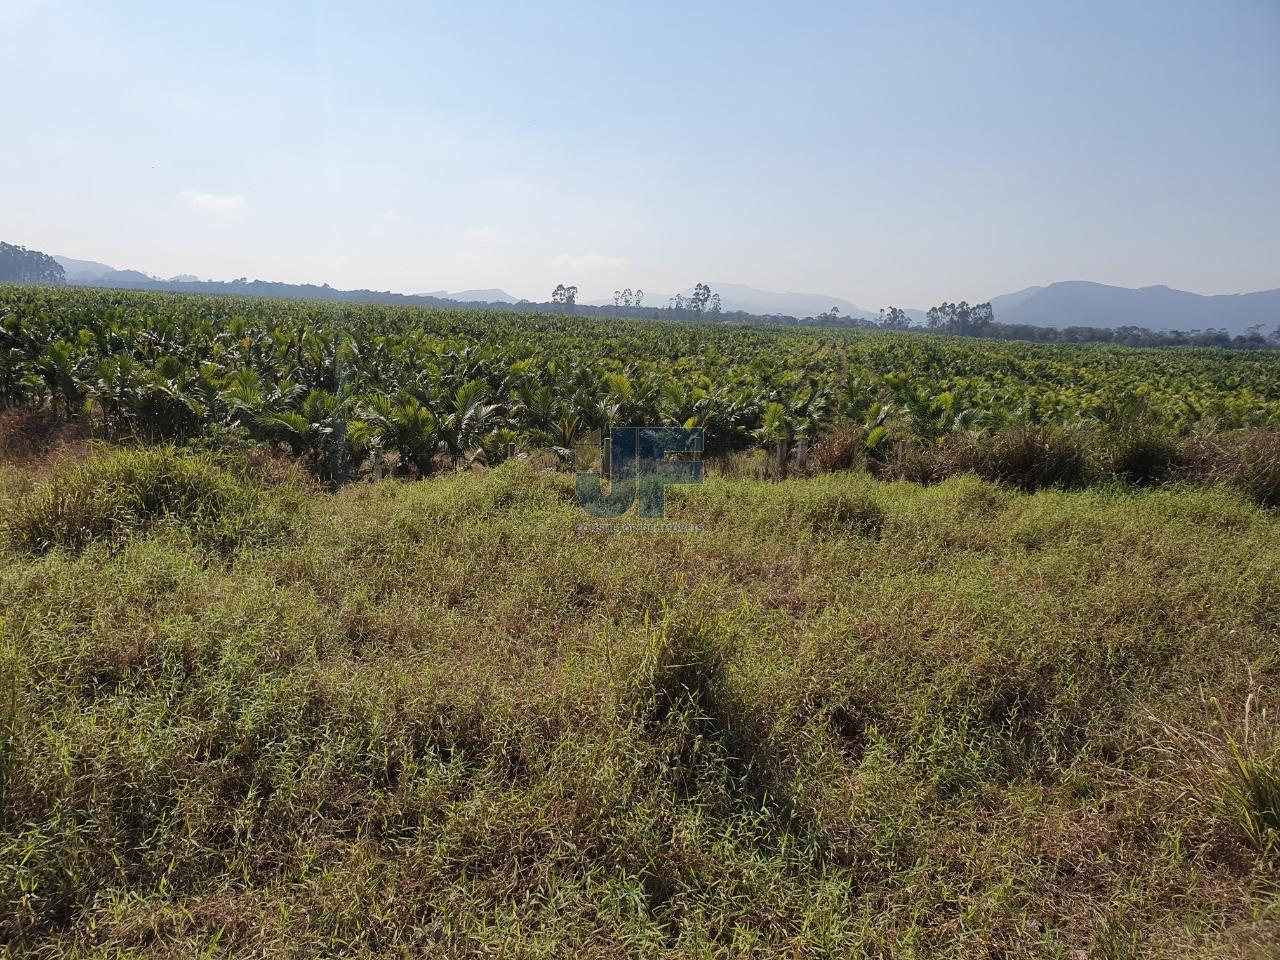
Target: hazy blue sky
x,y
884,152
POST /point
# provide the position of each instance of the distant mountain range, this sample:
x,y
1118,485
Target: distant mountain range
x,y
737,296
1079,303
92,272
491,295
1073,303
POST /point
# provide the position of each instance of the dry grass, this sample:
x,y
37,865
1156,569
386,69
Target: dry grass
x,y
1037,457
848,718
1232,769
35,440
1246,459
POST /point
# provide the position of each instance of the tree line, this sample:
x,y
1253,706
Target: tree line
x,y
20,265
961,319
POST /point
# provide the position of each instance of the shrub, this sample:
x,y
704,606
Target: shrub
x,y
1248,460
922,465
844,448
119,494
838,511
1032,457
1143,456
933,463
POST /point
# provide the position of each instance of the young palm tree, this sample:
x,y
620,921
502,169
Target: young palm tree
x,y
61,368
468,419
317,432
404,426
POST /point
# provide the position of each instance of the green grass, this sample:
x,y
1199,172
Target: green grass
x,y
847,718
121,494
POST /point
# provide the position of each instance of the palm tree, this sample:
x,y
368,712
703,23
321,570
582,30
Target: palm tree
x,y
317,432
60,368
404,425
469,418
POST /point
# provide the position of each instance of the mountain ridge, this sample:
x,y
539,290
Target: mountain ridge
x,y
1066,303
1084,303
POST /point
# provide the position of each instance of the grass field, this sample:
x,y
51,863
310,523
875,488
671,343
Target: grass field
x,y
241,715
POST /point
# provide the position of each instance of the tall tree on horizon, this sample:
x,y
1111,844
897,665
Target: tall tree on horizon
x,y
895,318
699,299
960,318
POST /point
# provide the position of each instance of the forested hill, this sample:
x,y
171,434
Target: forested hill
x,y
291,291
20,265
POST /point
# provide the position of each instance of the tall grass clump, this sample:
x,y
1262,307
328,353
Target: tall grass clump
x,y
1233,770
933,463
1248,460
1027,456
844,447
836,510
1258,470
117,495
1033,457
1143,455
683,697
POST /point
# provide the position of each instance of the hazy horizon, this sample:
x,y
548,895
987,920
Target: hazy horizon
x,y
874,154
715,285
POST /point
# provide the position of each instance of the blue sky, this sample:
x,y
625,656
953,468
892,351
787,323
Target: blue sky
x,y
887,153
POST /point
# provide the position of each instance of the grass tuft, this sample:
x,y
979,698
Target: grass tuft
x,y
125,493
1142,455
1033,458
1248,460
1233,769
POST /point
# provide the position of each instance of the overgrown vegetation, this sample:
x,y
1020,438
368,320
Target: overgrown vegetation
x,y
847,718
256,701
120,494
364,390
